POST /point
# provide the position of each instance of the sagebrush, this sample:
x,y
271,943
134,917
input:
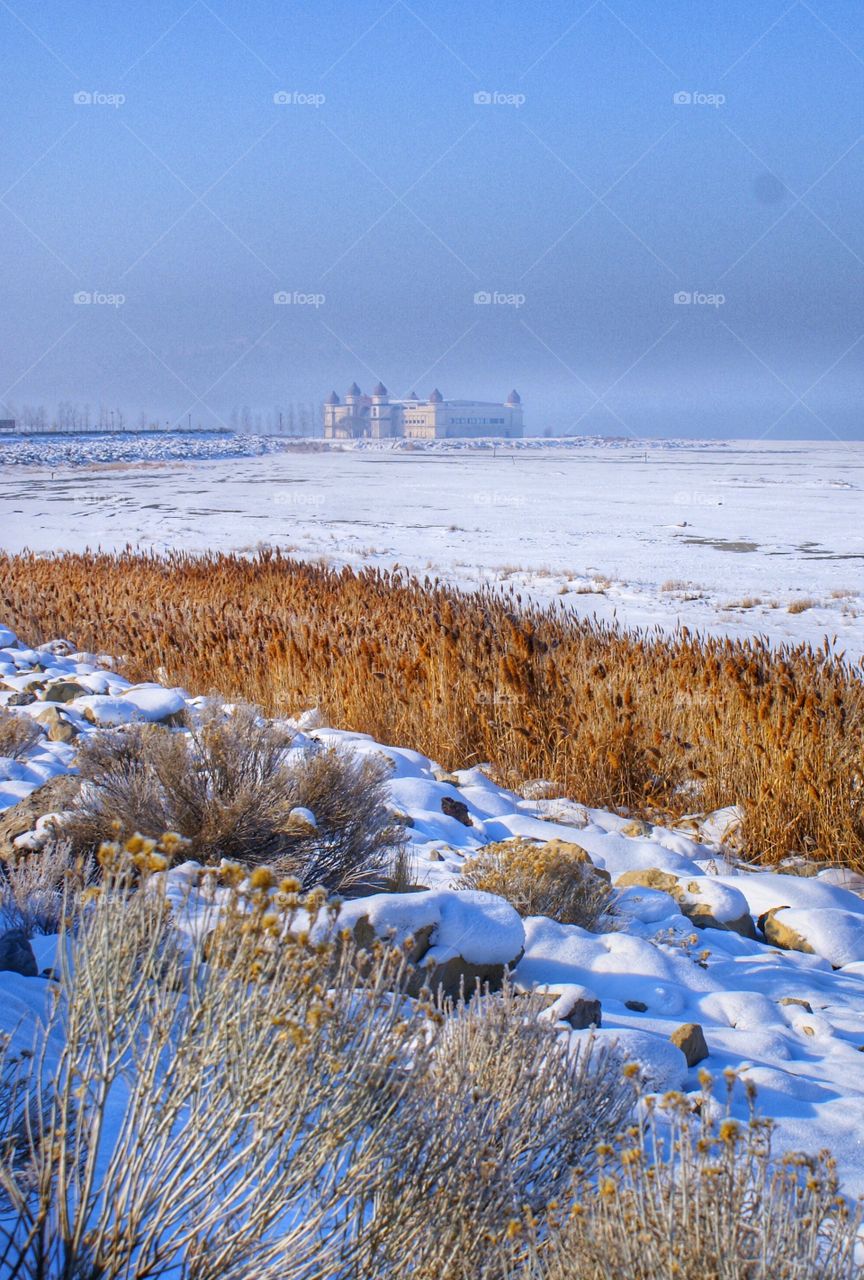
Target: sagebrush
x,y
231,787
542,880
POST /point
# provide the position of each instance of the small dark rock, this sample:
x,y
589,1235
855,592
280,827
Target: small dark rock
x,y
22,699
457,809
16,954
638,1006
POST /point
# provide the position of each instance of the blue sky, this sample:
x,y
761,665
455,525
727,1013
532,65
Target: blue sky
x,y
381,197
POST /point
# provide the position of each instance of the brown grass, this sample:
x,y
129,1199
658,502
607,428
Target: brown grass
x,y
618,719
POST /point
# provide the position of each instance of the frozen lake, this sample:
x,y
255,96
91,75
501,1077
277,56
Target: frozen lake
x,y
724,538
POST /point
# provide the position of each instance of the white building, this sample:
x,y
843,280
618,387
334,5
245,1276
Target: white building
x,y
377,417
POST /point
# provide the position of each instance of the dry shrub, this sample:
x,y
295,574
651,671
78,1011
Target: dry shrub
x,y
355,834
497,1121
703,1200
657,724
18,733
540,880
227,787
280,1110
35,888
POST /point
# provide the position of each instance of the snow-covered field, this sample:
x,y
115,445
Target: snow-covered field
x,y
789,1020
719,537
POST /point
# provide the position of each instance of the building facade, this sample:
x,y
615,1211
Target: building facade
x,y
377,417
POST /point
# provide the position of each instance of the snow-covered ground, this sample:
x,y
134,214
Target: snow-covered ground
x,y
718,537
789,1020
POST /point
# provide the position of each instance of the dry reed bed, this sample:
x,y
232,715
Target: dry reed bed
x,y
660,725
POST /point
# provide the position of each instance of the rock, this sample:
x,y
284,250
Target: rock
x,y
60,728
435,855
455,977
690,1039
441,775
637,1006
805,1004
65,691
780,934
52,797
651,878
21,699
569,849
635,828
830,932
585,1009
705,902
457,809
16,954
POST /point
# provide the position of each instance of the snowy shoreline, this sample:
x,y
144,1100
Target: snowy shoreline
x,y
790,1021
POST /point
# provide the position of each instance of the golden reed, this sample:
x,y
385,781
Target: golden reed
x,y
662,726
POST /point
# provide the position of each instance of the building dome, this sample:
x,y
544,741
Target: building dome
x,y
436,397
354,390
379,389
514,398
332,398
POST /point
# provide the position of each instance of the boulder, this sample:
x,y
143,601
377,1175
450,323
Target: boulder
x,y
59,727
635,828
16,954
20,699
52,797
581,1008
65,691
458,940
457,809
441,775
782,935
690,1039
830,932
705,902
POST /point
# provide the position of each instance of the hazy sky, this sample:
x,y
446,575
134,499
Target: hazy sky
x,y
380,197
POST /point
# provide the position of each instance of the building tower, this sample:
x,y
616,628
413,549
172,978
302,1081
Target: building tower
x,y
380,413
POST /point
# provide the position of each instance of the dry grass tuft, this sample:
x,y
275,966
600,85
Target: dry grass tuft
x,y
541,880
18,733
633,720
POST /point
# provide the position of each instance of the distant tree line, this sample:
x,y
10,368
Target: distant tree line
x,y
293,419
